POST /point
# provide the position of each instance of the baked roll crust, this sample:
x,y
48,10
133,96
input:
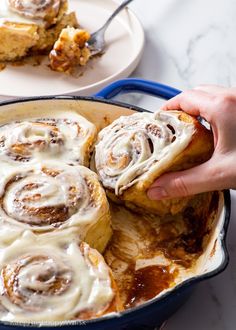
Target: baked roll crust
x,y
47,37
55,278
67,140
50,197
134,151
31,27
16,39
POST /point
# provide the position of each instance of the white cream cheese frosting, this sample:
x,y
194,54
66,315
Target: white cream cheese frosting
x,y
134,146
50,203
49,195
29,11
66,140
51,279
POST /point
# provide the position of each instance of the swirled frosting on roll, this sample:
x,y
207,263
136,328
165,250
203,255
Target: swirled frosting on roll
x,y
54,279
31,11
133,147
47,196
62,139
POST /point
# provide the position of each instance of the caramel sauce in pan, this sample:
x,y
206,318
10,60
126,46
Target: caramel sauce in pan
x,y
148,282
182,240
2,66
149,254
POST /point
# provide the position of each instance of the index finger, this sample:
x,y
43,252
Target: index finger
x,y
193,102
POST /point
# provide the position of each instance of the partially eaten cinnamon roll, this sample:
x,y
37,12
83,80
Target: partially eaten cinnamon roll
x,y
70,50
135,150
31,27
54,279
50,197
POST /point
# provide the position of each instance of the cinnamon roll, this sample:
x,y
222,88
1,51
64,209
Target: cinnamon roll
x,y
31,27
135,150
70,50
51,197
54,279
41,10
62,139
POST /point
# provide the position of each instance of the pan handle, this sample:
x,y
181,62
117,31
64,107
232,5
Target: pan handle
x,y
130,85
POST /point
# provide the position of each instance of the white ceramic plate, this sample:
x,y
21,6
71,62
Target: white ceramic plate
x,y
125,42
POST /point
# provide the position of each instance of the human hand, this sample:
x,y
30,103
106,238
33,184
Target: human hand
x,y
217,105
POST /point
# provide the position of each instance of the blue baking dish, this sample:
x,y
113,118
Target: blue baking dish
x,y
151,314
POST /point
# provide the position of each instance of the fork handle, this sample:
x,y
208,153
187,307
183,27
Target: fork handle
x,y
122,5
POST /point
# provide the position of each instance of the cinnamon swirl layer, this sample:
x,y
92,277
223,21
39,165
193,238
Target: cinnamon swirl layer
x,y
51,197
54,279
134,150
62,139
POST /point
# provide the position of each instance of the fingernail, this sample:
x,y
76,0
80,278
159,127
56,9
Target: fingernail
x,y
157,193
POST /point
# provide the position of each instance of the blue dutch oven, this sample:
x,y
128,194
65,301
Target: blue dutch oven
x,y
151,314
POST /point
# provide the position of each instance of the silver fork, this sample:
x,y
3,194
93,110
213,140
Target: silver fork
x,y
96,43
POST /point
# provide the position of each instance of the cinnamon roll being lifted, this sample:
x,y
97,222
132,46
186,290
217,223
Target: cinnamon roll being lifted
x,y
51,197
135,150
55,278
62,139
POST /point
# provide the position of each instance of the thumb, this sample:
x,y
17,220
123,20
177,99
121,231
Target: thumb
x,y
183,183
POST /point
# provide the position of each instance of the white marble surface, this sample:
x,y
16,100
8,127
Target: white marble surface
x,y
191,42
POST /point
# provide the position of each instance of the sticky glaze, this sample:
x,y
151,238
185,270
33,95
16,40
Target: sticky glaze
x,y
150,254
